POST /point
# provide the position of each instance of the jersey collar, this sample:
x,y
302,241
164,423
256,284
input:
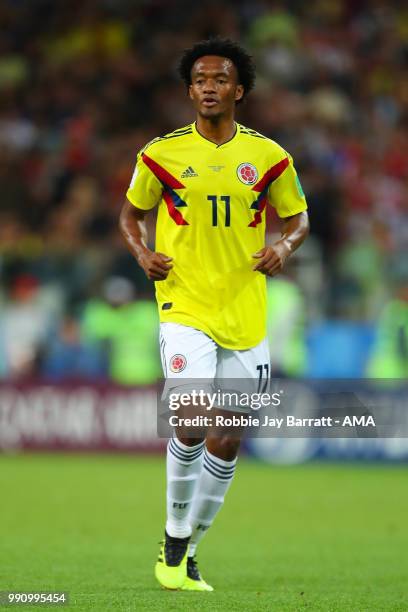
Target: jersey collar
x,y
213,145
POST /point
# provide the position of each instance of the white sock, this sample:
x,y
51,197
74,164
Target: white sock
x,y
184,465
214,482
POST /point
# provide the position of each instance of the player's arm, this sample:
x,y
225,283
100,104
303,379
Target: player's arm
x,y
132,225
145,191
271,259
287,197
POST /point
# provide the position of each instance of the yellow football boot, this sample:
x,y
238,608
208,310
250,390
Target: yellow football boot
x,y
171,567
193,581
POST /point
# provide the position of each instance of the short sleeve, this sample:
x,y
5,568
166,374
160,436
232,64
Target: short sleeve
x,y
285,192
145,189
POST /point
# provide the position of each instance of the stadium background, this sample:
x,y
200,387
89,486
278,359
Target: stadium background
x,y
83,85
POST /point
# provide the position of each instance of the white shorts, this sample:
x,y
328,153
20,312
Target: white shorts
x,y
188,353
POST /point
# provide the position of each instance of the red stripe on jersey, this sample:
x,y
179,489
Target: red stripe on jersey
x,y
271,175
258,214
173,212
161,173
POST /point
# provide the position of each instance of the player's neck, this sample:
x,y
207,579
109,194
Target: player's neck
x,y
218,130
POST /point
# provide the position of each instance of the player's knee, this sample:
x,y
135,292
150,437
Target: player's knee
x,y
189,441
225,447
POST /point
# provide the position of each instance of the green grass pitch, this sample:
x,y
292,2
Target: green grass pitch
x,y
310,537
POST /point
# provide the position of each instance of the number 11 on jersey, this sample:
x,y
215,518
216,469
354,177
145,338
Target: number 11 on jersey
x,y
214,200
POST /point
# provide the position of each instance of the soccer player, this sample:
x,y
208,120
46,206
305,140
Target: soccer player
x,y
211,181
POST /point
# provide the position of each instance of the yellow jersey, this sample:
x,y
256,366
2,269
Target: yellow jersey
x,y
211,220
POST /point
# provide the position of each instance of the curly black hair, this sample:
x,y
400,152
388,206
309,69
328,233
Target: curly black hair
x,y
222,47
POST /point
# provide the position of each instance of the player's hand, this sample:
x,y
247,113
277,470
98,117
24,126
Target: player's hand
x,y
156,265
272,258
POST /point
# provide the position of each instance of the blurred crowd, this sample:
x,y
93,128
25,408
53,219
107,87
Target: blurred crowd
x,y
84,84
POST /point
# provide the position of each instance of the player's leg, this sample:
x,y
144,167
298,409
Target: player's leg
x,y
219,460
186,354
220,454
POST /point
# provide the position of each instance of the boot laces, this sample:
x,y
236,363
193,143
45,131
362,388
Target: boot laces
x,y
192,569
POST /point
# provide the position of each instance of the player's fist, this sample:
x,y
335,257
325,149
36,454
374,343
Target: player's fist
x,y
271,259
156,265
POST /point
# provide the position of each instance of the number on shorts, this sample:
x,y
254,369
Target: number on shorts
x,y
263,381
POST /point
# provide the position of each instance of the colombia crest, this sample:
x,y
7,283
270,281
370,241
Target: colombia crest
x,y
247,173
178,363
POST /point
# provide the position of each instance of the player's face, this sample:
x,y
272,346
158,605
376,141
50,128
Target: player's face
x,y
214,86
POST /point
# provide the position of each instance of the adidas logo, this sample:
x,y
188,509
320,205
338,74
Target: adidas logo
x,y
189,172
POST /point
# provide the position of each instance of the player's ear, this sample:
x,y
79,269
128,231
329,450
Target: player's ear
x,y
190,91
239,93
